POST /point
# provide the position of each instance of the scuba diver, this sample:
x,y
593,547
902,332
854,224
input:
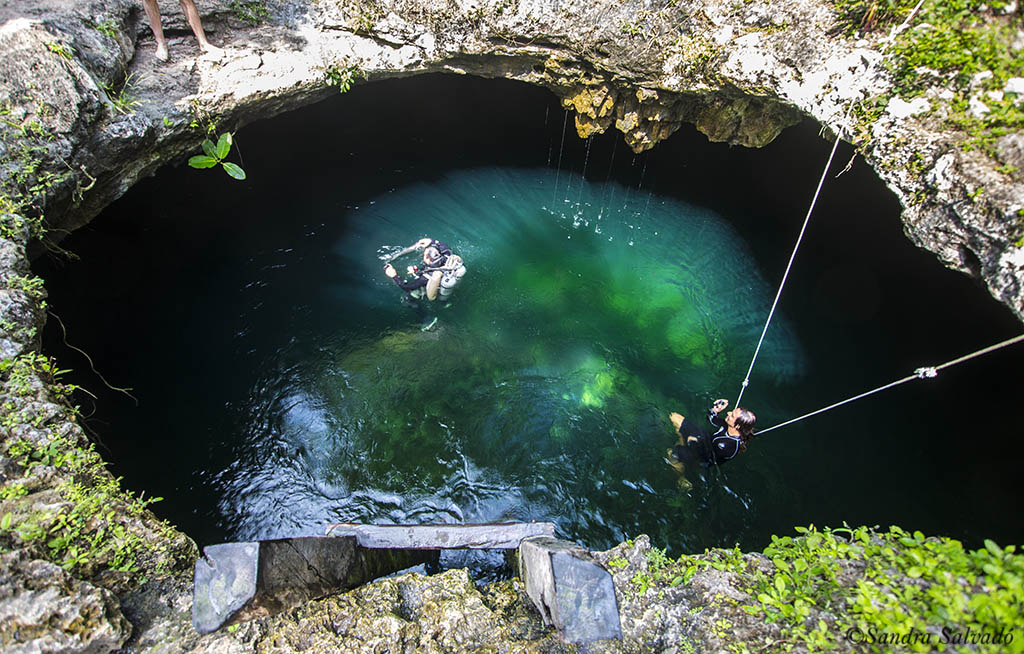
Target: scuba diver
x,y
441,272
696,445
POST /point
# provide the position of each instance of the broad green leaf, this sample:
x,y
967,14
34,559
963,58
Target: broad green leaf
x,y
992,547
223,145
780,584
233,170
202,161
5,523
209,149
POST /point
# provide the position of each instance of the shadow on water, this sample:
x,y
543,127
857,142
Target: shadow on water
x,y
284,386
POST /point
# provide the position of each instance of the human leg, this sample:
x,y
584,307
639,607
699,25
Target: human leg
x,y
153,14
192,16
676,457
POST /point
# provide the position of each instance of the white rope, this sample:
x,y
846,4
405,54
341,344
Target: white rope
x,y
746,380
920,373
814,200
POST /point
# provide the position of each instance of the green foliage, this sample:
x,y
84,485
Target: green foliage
x,y
88,529
253,12
31,286
20,374
957,38
215,154
65,52
870,15
12,491
27,183
948,45
663,572
343,76
107,28
121,98
201,118
890,584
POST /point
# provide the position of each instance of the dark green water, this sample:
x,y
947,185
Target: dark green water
x,y
284,386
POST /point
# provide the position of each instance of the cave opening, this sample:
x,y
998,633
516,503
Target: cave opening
x,y
283,385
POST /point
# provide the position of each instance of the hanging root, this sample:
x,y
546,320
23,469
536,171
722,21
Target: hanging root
x,y
64,331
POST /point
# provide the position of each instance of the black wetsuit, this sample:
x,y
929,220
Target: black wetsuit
x,y
716,448
423,276
419,281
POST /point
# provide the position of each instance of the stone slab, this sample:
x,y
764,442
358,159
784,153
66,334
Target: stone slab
x,y
570,589
235,582
481,536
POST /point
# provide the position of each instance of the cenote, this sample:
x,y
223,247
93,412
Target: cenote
x,y
283,385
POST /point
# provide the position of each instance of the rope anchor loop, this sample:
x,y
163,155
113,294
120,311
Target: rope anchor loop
x,y
926,373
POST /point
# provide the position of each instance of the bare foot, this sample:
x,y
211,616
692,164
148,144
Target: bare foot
x,y
161,52
210,50
677,420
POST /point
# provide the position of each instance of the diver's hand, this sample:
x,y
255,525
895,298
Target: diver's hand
x,y
719,405
389,270
422,243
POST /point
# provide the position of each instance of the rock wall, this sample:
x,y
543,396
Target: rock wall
x,y
109,114
87,111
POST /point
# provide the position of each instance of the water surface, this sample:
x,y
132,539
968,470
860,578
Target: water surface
x,y
283,385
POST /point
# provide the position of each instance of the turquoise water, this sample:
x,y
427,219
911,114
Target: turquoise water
x,y
542,392
283,385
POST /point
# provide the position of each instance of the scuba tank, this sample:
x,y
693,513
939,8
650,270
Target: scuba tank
x,y
451,275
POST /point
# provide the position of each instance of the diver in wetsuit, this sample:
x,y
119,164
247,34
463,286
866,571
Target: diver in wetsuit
x,y
730,438
425,282
442,270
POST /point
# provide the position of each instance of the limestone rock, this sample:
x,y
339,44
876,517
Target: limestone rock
x,y
740,71
445,613
43,609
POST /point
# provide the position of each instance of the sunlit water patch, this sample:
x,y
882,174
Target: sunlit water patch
x,y
588,312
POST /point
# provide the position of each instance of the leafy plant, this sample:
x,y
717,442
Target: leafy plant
x,y
122,99
963,46
107,28
63,51
343,76
893,584
215,154
253,12
31,286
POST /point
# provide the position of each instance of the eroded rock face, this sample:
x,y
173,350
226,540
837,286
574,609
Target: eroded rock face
x,y
740,72
44,609
88,111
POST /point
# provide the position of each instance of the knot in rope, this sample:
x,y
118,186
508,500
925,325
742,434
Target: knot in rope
x,y
926,373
